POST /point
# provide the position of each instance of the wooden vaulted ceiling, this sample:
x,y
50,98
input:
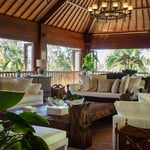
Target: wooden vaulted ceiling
x,y
72,15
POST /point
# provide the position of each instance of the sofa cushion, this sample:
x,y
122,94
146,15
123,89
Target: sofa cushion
x,y
94,81
134,83
115,86
22,84
7,83
133,109
85,82
104,85
144,97
34,88
124,84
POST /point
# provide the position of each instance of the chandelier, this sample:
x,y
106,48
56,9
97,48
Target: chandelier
x,y
111,10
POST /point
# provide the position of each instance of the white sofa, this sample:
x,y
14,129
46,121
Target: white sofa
x,y
33,95
137,114
98,86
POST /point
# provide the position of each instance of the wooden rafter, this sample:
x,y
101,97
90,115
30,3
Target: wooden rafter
x,y
52,11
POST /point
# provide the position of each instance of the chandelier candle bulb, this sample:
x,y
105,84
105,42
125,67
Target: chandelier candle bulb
x,y
125,5
130,8
95,6
90,9
104,4
115,4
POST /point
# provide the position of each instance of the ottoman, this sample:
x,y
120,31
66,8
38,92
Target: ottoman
x,y
54,138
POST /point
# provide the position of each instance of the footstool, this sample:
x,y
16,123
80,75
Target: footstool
x,y
54,138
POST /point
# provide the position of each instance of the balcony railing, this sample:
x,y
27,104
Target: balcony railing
x,y
60,77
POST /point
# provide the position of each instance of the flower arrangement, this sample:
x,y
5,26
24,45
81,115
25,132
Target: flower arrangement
x,y
16,132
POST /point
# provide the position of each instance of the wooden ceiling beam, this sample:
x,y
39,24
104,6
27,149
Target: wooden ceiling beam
x,y
52,11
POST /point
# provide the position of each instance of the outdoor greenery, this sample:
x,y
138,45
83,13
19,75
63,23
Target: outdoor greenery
x,y
11,56
59,59
129,60
16,132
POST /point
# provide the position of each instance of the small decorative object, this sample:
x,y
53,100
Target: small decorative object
x,y
41,64
18,73
74,99
52,101
57,110
29,109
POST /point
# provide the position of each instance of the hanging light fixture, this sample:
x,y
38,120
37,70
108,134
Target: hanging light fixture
x,y
111,9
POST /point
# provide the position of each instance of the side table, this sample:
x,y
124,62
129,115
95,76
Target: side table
x,y
132,138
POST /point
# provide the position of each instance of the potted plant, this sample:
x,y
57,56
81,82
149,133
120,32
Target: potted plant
x,y
16,131
89,63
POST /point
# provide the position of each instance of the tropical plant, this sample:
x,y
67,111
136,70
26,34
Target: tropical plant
x,y
12,56
16,132
128,59
89,62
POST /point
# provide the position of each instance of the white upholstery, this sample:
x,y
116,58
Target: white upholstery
x,y
137,114
54,138
99,94
31,97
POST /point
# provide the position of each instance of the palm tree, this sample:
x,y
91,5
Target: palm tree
x,y
12,56
128,59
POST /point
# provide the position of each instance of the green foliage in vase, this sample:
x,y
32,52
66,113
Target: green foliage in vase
x,y
16,131
89,62
73,97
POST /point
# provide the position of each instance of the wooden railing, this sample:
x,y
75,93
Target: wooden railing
x,y
60,77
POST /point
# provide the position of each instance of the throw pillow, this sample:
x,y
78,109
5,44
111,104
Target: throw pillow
x,y
85,82
7,83
115,86
34,88
124,84
22,84
94,81
144,97
132,109
104,85
134,83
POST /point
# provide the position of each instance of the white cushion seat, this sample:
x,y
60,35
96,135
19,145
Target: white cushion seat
x,y
54,138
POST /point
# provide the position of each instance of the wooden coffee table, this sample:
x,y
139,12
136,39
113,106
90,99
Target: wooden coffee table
x,y
78,129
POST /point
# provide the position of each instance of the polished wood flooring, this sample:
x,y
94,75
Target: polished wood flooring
x,y
101,135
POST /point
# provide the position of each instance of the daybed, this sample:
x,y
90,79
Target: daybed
x,y
100,88
137,114
33,94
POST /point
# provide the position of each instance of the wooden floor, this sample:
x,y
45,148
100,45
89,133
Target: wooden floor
x,y
102,135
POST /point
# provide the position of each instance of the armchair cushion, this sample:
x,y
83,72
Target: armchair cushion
x,y
133,109
74,87
144,97
34,88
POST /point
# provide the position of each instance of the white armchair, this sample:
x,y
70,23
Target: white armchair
x,y
137,114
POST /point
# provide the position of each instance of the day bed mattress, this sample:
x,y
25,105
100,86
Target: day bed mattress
x,y
99,94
